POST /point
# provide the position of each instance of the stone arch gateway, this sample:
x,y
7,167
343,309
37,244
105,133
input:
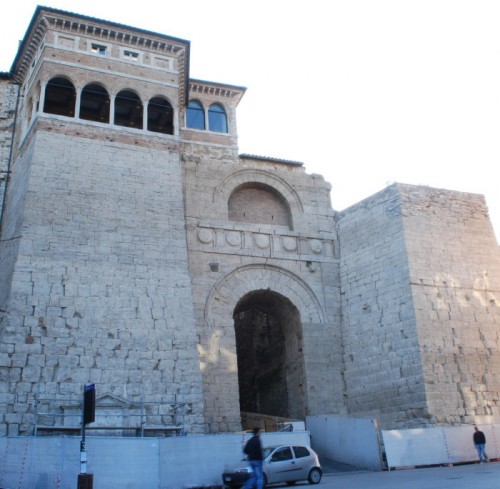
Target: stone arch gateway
x,y
121,265
269,354
252,313
227,292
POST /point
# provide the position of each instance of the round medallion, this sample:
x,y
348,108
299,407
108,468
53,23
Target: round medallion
x,y
205,235
261,240
316,245
290,244
233,239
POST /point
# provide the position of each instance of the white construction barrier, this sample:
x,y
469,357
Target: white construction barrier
x,y
132,463
437,446
352,441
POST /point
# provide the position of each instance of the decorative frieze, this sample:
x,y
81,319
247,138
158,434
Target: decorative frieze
x,y
219,239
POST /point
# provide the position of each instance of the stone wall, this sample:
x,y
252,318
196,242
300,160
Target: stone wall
x,y
100,290
230,260
455,281
257,205
8,97
383,367
420,278
126,257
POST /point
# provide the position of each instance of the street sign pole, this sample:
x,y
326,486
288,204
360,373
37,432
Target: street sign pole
x,y
86,481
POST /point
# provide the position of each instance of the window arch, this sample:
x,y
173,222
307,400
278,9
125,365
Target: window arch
x,y
195,115
94,103
160,116
128,109
258,203
217,118
60,97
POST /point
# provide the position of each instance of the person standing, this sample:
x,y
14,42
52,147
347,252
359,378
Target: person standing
x,y
480,442
253,451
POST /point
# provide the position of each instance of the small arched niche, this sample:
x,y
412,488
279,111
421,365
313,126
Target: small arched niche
x,y
259,203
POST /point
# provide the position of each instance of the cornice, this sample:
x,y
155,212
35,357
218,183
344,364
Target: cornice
x,y
221,90
269,159
46,18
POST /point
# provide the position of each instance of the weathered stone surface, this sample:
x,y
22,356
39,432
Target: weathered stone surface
x,y
423,303
177,275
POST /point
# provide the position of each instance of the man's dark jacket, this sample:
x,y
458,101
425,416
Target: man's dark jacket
x,y
479,438
253,448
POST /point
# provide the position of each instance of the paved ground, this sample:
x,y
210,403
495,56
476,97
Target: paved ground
x,y
331,467
481,476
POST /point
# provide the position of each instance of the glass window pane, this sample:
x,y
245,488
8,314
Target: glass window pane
x,y
217,119
284,453
195,116
301,452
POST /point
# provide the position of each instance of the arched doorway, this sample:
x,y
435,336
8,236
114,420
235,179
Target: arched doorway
x,y
282,295
269,349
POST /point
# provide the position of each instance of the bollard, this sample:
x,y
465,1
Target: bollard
x,y
85,481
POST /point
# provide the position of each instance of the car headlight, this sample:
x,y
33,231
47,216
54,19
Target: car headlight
x,y
244,470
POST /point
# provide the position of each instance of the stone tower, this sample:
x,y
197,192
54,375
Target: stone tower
x,y
142,253
94,258
420,285
133,233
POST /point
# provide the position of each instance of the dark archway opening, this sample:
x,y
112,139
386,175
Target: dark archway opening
x,y
60,97
128,110
160,116
270,358
94,103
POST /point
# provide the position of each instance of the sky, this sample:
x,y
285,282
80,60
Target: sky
x,y
364,92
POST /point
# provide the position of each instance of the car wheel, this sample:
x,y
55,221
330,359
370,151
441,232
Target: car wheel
x,y
314,476
264,482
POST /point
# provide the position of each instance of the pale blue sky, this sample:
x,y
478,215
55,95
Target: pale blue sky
x,y
365,92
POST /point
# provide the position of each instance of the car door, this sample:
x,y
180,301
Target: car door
x,y
281,466
303,461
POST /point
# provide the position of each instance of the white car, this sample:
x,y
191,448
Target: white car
x,y
281,464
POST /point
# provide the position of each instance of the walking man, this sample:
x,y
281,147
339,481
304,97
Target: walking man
x,y
480,442
253,451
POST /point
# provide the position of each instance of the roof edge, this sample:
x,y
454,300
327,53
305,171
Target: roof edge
x,y
246,156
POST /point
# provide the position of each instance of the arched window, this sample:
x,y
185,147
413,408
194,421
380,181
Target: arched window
x,y
128,110
217,118
94,104
259,204
195,115
60,97
160,116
